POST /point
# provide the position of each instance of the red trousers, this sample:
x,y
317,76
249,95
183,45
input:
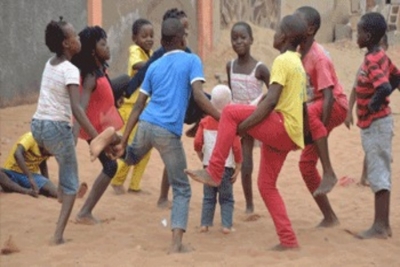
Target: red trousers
x,y
276,144
309,156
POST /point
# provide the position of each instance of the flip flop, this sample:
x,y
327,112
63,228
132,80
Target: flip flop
x,y
346,181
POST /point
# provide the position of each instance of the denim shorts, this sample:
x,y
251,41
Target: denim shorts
x,y
57,138
22,179
377,144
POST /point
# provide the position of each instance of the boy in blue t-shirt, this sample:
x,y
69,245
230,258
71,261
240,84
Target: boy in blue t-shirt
x,y
169,82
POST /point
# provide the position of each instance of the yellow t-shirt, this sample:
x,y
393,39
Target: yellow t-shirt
x,y
136,55
287,70
33,156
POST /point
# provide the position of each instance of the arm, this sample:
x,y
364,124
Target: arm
x,y
139,65
134,117
228,73
262,73
43,169
202,101
379,97
20,159
88,85
238,156
327,105
79,112
199,141
264,108
349,118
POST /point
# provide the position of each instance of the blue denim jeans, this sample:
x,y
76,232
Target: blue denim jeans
x,y
225,199
171,151
57,138
22,179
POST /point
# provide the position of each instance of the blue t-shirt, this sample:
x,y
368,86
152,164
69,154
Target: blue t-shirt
x,y
168,84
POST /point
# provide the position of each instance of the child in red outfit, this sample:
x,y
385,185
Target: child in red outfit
x,y
204,143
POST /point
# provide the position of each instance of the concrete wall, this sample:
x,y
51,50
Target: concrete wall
x,y
119,15
23,52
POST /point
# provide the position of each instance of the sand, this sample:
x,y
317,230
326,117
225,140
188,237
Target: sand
x,y
133,233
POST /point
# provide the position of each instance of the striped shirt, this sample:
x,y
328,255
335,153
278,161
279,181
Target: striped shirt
x,y
374,72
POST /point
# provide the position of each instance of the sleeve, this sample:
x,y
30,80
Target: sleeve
x,y
394,77
199,137
72,75
324,74
146,85
135,56
137,80
27,141
237,150
196,70
376,75
279,72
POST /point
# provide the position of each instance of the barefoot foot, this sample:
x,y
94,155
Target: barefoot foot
x,y
204,229
164,204
100,142
249,209
326,185
226,230
86,219
374,232
202,176
327,223
179,249
118,189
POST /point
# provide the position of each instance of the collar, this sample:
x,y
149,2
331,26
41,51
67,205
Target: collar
x,y
173,52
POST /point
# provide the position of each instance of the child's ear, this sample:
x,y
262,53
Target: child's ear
x,y
368,38
311,30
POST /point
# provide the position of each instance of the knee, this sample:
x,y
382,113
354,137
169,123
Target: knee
x,y
110,168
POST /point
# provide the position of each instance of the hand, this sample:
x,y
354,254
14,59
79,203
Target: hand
x,y
349,119
236,173
120,101
240,130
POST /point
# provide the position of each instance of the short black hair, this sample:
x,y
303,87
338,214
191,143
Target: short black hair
x,y
85,60
312,16
171,29
246,25
174,13
138,24
55,35
375,24
294,28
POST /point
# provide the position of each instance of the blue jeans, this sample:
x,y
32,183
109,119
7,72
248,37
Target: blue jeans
x,y
171,151
57,138
225,199
22,179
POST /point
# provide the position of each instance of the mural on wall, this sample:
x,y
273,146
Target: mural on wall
x,y
265,13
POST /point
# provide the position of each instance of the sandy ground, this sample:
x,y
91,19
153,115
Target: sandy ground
x,y
133,234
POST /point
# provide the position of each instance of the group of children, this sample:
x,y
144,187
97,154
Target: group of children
x,y
304,103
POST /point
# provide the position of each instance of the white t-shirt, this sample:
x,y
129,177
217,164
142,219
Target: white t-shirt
x,y
54,103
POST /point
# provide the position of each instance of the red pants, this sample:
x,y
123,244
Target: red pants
x,y
276,144
309,156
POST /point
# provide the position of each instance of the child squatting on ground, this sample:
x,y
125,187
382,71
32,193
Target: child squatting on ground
x,y
161,121
204,143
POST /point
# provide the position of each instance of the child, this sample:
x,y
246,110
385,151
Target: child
x,y
22,166
98,101
161,122
375,119
204,144
327,108
52,122
139,53
246,77
349,118
277,121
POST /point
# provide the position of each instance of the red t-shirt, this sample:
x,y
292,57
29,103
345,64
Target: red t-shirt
x,y
101,110
321,74
374,72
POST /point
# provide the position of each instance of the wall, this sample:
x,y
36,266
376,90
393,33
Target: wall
x,y
119,15
23,52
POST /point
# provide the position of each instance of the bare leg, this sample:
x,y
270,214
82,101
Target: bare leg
x,y
85,214
330,218
163,199
380,228
49,190
247,170
329,179
66,208
177,246
363,179
201,176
